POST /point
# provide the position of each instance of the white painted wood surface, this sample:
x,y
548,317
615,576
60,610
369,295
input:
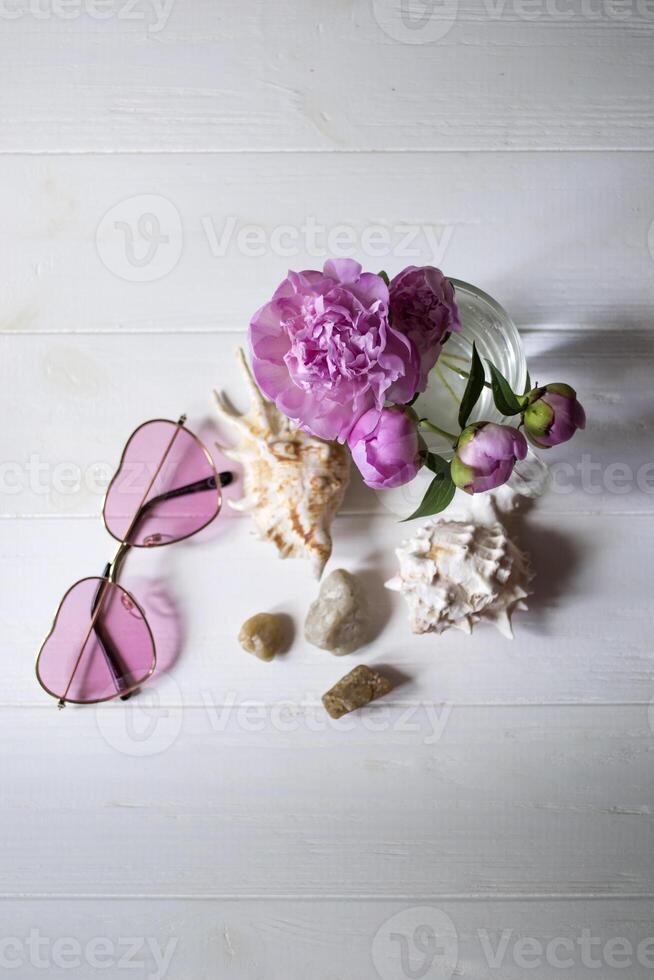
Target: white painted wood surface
x,y
289,76
221,825
557,238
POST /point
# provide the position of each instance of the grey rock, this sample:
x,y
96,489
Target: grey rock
x,y
338,620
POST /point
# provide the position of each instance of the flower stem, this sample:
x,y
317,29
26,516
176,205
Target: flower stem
x,y
454,367
460,371
426,424
447,386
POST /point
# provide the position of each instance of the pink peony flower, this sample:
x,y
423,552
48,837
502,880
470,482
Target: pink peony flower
x,y
385,448
424,309
324,351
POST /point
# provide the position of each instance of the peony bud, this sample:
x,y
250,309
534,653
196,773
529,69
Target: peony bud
x,y
485,456
553,415
385,447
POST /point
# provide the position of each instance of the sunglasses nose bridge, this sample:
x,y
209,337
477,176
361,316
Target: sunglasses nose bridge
x,y
112,569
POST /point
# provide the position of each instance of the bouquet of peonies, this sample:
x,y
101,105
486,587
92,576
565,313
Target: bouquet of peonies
x,y
345,354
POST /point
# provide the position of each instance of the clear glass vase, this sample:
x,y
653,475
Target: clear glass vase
x,y
487,324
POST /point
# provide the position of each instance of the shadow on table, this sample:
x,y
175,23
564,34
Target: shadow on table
x,y
380,601
164,618
555,558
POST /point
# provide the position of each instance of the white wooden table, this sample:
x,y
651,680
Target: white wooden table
x,y
493,818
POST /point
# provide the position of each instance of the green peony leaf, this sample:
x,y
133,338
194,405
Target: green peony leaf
x,y
474,388
505,400
384,275
438,496
436,463
527,384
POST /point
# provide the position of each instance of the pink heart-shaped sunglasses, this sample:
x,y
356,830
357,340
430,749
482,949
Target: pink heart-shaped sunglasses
x,y
100,645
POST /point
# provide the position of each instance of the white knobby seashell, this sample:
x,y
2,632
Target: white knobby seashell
x,y
457,573
294,483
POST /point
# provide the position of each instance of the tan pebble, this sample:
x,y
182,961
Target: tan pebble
x,y
359,687
262,635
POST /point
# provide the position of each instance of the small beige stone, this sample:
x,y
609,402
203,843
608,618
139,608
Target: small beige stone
x,y
338,620
359,687
262,635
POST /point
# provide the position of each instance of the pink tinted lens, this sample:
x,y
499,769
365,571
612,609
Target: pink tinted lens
x,y
100,645
165,488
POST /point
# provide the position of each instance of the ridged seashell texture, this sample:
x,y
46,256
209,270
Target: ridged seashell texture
x,y
458,573
294,483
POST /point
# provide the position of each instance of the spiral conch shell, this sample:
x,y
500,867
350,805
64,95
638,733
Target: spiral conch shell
x,y
294,483
458,573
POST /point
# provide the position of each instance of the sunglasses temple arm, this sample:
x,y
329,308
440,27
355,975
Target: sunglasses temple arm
x,y
107,647
208,484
